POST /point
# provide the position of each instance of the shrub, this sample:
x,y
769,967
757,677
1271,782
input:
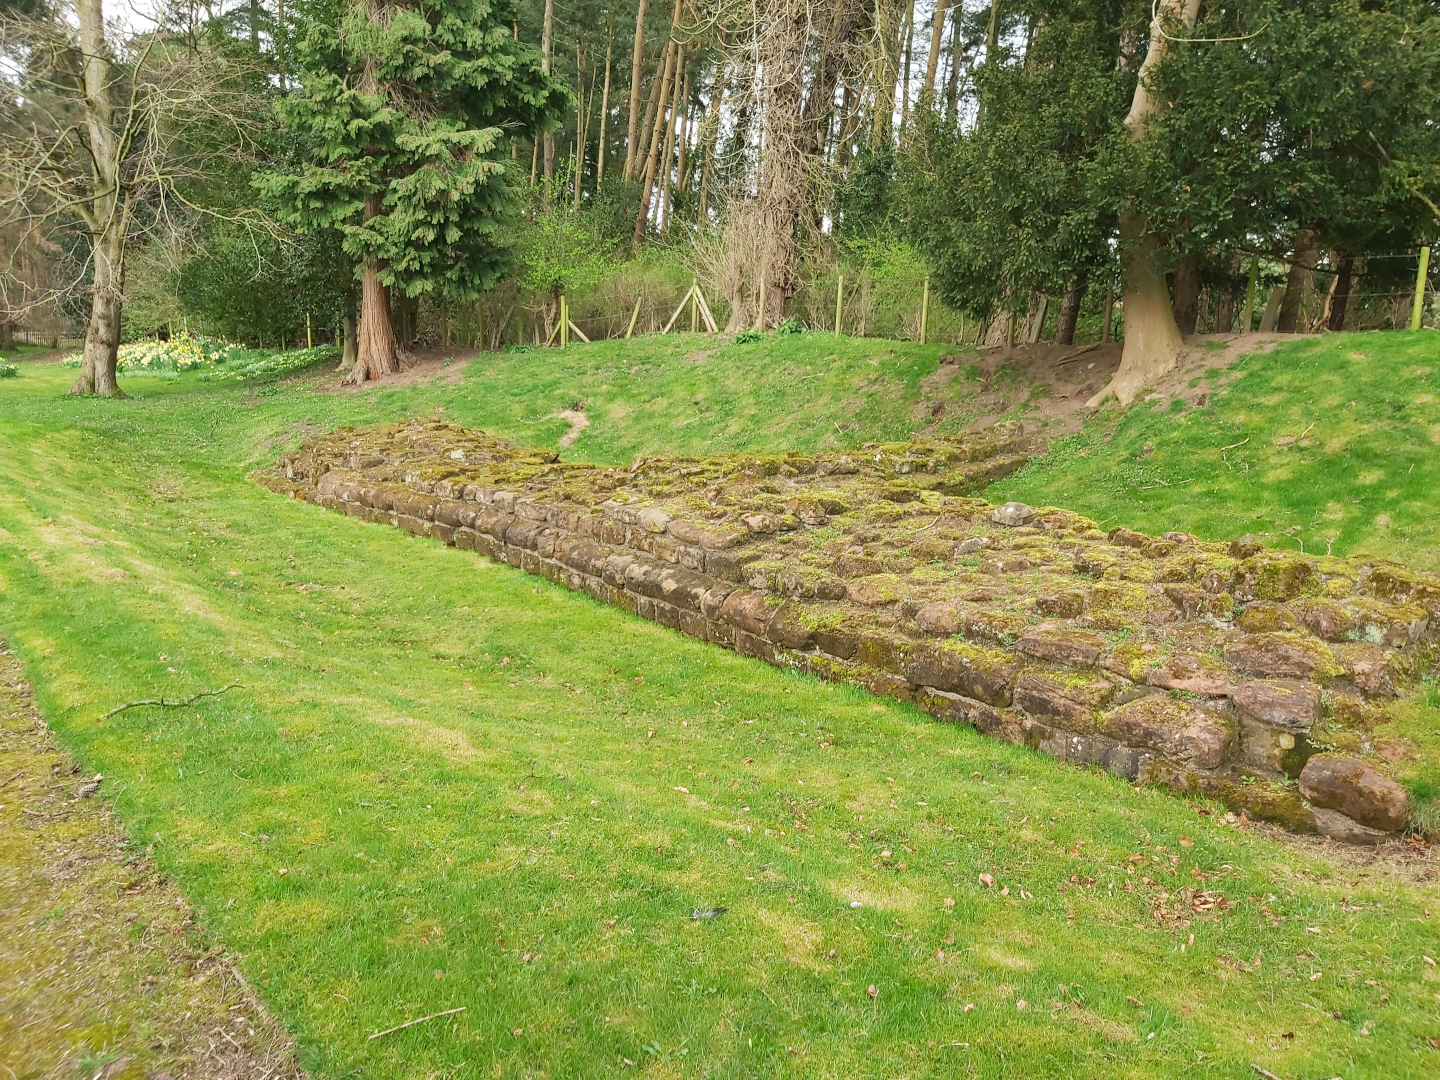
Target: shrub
x,y
268,366
183,353
747,337
790,326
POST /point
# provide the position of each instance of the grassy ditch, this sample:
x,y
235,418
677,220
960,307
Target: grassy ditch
x,y
444,784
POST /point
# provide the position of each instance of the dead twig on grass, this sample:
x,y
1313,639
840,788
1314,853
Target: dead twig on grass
x,y
163,704
421,1020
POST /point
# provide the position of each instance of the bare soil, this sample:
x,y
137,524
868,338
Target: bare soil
x,y
102,970
1048,385
428,365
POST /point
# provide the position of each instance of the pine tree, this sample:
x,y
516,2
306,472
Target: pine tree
x,y
409,107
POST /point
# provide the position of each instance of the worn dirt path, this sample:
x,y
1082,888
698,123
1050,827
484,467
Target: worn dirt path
x,y
103,973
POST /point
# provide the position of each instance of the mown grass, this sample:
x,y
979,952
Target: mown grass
x,y
1328,443
470,779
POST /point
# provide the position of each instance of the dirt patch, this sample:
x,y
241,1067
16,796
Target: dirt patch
x,y
101,969
430,365
1048,385
578,422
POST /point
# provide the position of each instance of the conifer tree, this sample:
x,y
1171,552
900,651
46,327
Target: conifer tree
x,y
410,107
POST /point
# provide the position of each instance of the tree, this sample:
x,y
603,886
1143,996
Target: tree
x,y
1022,202
409,108
109,134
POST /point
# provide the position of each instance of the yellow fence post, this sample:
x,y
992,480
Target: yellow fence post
x,y
564,322
925,312
309,334
1418,307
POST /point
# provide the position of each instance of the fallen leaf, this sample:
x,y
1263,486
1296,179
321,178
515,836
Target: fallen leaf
x,y
1185,841
1022,1005
874,993
1316,976
950,902
685,790
987,881
969,1007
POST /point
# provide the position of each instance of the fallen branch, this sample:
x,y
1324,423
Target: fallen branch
x,y
1071,357
421,1020
1264,1072
163,704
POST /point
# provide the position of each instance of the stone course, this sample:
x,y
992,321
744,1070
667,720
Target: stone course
x,y
1202,666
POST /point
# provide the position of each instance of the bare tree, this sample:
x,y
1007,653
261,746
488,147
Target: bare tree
x,y
107,132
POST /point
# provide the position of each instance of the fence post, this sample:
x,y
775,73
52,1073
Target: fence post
x,y
564,322
1418,307
694,308
839,300
630,330
925,312
1248,315
309,334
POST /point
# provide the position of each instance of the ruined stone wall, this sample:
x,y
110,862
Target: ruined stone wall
x,y
1163,659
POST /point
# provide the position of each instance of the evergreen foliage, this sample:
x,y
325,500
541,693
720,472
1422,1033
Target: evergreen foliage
x,y
414,105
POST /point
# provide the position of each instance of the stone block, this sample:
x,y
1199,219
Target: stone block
x,y
720,633
1280,655
1173,728
1283,703
1061,645
959,667
747,611
464,539
444,533
695,625
614,568
1071,703
1356,789
790,627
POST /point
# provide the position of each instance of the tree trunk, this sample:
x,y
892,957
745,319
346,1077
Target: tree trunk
x,y
351,351
102,336
711,134
783,159
1341,299
1070,309
662,93
637,71
106,212
547,48
1152,338
1185,289
377,353
932,62
909,38
604,117
667,155
1302,273
957,51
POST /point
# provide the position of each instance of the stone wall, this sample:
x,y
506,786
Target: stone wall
x,y
1202,666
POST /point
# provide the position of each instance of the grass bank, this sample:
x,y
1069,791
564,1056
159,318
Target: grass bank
x,y
1326,443
444,784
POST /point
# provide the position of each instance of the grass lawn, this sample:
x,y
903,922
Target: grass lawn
x,y
1331,441
445,784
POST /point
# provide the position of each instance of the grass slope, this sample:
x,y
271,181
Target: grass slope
x,y
472,782
1329,442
